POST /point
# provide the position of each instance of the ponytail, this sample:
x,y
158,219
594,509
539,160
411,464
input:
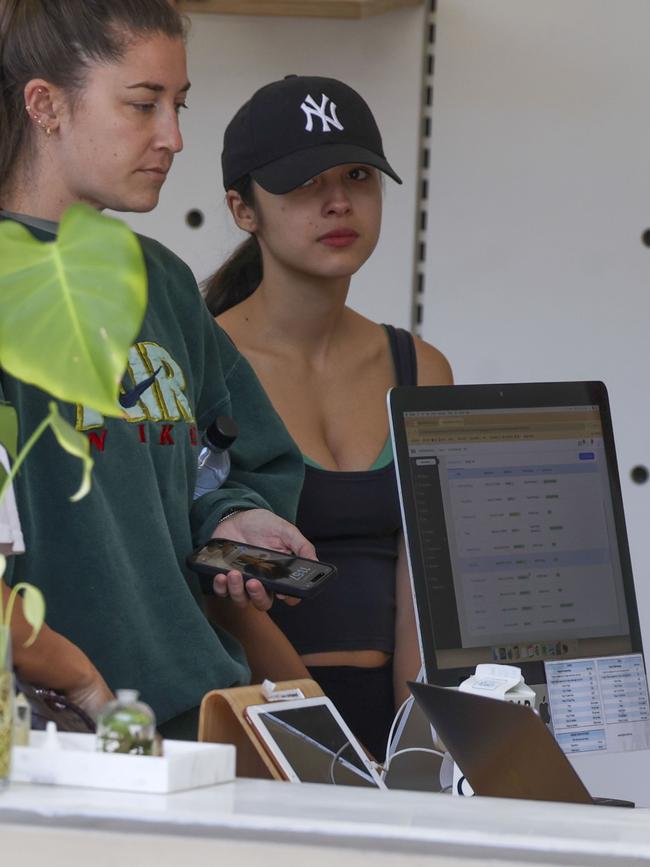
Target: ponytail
x,y
14,122
7,10
242,272
58,40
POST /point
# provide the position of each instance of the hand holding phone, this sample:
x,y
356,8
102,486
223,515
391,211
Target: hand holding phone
x,y
263,528
281,573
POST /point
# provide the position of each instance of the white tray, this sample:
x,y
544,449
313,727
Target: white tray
x,y
184,765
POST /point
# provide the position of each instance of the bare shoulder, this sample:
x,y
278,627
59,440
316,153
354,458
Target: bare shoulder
x,y
363,334
234,324
433,367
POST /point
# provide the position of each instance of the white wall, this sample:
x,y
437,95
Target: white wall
x,y
230,57
540,192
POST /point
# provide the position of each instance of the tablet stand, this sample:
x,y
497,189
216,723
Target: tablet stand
x,y
222,721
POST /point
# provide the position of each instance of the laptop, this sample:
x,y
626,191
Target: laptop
x,y
503,749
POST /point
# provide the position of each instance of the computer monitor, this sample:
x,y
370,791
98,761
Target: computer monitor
x,y
514,525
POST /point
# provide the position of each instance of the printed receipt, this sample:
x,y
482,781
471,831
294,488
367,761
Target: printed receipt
x,y
599,704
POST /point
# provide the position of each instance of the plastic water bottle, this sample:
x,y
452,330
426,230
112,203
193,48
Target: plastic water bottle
x,y
214,460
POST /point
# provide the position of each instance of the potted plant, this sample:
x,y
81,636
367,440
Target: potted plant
x,y
58,289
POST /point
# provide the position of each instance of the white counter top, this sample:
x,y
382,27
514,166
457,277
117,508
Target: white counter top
x,y
394,821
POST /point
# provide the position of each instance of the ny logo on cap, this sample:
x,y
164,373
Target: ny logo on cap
x,y
312,109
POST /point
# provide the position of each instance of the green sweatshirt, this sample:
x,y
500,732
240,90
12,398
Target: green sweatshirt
x,y
112,566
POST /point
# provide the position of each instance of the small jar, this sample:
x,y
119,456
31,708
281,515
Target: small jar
x,y
22,721
126,725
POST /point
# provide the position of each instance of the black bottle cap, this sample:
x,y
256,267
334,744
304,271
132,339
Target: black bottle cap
x,y
223,432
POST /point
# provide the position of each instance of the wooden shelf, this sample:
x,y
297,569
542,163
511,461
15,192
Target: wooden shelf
x,y
300,8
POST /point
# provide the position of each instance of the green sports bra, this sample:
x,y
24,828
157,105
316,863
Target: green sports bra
x,y
382,460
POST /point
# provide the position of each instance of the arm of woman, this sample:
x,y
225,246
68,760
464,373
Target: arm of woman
x,y
55,662
269,652
406,659
433,367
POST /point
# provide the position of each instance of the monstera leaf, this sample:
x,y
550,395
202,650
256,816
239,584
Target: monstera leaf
x,y
71,308
75,444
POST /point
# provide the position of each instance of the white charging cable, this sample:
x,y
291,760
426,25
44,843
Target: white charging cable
x,y
384,767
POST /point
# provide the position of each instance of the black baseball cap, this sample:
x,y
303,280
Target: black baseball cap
x,y
292,130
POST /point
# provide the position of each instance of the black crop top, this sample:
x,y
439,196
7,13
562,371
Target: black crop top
x,y
354,520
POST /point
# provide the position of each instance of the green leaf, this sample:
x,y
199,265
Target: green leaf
x,y
33,610
70,309
75,444
5,638
9,428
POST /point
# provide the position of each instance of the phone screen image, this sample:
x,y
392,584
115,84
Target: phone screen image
x,y
310,741
224,556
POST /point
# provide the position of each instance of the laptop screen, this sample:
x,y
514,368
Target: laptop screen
x,y
514,525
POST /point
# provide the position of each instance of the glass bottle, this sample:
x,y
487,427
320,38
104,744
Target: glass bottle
x,y
126,725
6,705
214,460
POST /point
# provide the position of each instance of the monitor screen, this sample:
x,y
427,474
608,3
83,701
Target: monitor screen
x,y
514,524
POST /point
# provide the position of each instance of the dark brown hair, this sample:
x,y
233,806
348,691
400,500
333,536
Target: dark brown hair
x,y
242,272
58,40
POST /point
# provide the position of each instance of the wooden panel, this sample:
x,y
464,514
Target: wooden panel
x,y
222,722
298,8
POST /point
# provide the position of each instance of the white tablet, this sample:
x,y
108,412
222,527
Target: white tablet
x,y
309,742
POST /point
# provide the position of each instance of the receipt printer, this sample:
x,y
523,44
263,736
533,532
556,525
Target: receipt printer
x,y
499,681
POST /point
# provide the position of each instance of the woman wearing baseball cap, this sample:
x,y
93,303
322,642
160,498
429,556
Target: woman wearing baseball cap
x,y
302,168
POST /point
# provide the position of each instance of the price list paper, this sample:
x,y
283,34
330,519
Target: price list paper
x,y
599,704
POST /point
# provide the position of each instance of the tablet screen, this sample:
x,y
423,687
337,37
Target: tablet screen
x,y
310,741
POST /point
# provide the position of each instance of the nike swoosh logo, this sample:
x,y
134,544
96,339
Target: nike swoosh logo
x,y
133,395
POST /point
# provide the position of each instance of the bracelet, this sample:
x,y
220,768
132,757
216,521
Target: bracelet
x,y
229,514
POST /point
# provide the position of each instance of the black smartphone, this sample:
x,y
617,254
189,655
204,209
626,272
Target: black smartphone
x,y
281,573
